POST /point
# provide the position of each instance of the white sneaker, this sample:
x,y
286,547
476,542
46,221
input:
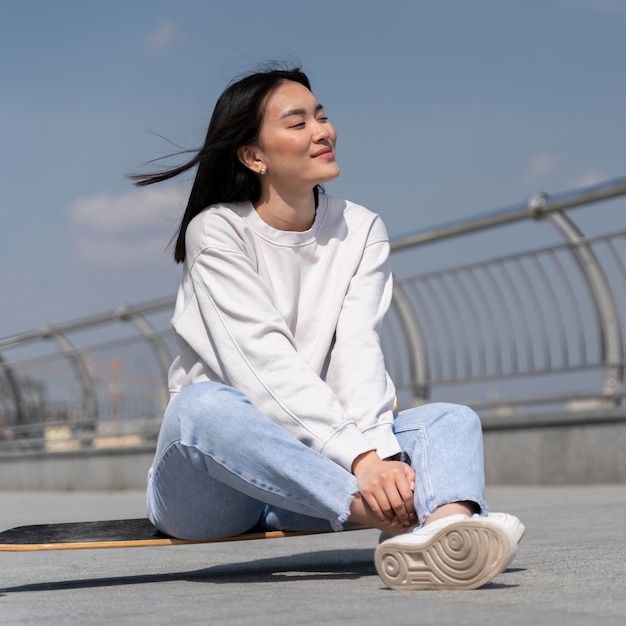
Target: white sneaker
x,y
512,522
507,519
455,552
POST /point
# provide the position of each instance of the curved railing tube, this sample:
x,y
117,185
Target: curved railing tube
x,y
606,309
83,374
163,357
14,389
418,360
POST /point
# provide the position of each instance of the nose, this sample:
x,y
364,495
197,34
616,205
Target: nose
x,y
323,131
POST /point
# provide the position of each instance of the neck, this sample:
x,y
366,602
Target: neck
x,y
293,211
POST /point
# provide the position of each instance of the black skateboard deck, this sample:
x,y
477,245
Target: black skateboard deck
x,y
125,533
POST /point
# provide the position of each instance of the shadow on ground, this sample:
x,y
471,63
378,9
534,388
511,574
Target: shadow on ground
x,y
327,565
307,566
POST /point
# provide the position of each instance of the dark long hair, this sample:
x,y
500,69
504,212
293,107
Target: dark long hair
x,y
236,122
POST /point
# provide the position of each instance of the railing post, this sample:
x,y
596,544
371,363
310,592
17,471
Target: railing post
x,y
147,331
81,370
602,296
15,391
418,360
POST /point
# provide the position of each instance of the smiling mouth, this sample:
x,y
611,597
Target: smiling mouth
x,y
323,152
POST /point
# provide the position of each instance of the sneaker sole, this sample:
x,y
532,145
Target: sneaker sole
x,y
463,555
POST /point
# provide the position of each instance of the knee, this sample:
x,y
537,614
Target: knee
x,y
460,416
204,404
441,415
206,398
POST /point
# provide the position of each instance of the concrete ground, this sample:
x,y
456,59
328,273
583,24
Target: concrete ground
x,y
570,569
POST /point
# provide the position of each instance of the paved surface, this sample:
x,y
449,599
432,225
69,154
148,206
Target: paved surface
x,y
570,569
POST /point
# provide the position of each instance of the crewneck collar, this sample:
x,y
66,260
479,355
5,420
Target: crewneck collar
x,y
288,237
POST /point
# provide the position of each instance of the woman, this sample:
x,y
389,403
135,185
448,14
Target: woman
x,y
281,411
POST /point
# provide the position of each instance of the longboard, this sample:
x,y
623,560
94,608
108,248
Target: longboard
x,y
125,533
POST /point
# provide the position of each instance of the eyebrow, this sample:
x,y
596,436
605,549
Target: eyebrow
x,y
291,112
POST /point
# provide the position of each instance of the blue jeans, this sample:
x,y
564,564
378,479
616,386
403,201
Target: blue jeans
x,y
222,467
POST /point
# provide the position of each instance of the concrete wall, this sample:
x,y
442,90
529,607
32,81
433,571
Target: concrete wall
x,y
586,448
123,468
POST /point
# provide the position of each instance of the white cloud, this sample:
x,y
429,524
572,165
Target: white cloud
x,y
130,211
541,165
588,178
166,35
129,229
116,253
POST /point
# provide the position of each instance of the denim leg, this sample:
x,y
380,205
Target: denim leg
x,y
445,447
222,467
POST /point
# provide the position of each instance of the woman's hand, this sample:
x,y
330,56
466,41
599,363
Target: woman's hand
x,y
387,488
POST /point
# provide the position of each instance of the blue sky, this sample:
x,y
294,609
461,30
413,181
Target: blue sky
x,y
444,109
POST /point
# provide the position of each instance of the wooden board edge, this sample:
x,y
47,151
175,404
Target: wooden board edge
x,y
166,541
89,545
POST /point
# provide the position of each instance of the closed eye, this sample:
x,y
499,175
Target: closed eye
x,y
323,119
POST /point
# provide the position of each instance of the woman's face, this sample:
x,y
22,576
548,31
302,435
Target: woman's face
x,y
296,142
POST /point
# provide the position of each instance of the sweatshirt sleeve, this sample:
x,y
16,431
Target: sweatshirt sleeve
x,y
231,323
356,369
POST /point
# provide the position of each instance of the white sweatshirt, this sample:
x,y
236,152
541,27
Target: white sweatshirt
x,y
292,320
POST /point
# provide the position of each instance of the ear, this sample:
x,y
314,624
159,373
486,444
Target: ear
x,y
251,157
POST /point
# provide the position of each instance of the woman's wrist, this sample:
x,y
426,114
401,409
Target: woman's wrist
x,y
367,458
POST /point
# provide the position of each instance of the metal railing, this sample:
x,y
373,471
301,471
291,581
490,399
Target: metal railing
x,y
539,324
555,311
533,330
